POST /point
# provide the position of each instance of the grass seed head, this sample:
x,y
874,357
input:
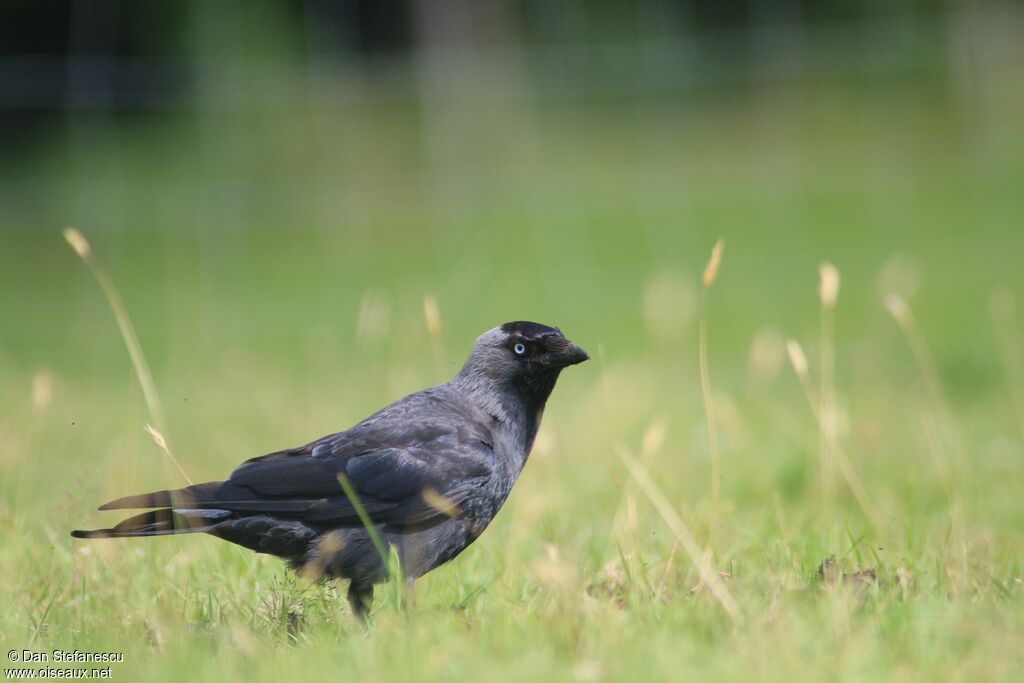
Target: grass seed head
x,y
431,315
796,357
711,269
828,289
42,390
157,437
897,307
654,438
78,242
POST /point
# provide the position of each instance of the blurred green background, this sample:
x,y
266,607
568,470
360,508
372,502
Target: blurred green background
x,y
275,187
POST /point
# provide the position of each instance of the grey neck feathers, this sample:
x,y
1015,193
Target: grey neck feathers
x,y
516,404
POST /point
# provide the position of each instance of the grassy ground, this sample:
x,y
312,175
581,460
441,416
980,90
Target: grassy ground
x,y
278,292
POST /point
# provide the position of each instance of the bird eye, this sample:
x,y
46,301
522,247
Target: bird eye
x,y
519,348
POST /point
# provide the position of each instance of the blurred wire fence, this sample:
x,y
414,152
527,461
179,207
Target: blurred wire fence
x,y
556,49
458,64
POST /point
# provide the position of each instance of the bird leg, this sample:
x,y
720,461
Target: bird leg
x,y
360,597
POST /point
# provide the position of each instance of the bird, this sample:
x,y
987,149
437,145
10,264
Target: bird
x,y
421,478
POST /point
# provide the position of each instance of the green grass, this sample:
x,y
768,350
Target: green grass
x,y
277,291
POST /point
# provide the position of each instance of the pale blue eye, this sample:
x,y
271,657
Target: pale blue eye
x,y
519,349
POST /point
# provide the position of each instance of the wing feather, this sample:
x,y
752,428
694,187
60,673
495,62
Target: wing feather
x,y
424,443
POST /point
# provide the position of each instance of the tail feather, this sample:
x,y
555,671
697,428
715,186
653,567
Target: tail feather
x,y
164,522
187,497
193,509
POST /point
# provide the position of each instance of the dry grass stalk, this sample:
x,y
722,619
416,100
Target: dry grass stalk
x,y
653,439
432,319
700,558
708,279
711,269
799,362
828,288
624,521
78,243
1002,310
160,441
904,317
946,476
797,359
828,292
42,391
41,396
440,502
81,247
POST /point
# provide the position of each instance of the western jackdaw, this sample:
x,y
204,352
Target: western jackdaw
x,y
429,471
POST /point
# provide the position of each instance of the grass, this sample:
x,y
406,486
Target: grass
x,y
301,296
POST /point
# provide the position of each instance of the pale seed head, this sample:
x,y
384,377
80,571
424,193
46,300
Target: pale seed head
x,y
796,357
897,307
711,269
42,390
157,437
431,315
828,288
654,437
78,242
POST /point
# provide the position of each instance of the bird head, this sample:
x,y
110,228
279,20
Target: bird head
x,y
522,352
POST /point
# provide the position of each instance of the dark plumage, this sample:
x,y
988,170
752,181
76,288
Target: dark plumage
x,y
431,470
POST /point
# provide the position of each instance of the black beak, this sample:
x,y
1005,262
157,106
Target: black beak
x,y
566,354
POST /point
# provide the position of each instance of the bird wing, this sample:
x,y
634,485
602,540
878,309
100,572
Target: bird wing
x,y
406,484
415,461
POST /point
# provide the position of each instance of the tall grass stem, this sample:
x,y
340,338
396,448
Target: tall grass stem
x,y
708,278
82,247
682,532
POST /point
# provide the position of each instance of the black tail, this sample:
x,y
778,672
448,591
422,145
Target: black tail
x,y
182,513
192,496
160,523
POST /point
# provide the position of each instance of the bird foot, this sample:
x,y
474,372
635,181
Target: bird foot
x,y
360,598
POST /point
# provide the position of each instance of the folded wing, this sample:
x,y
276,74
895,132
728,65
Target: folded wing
x,y
407,484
